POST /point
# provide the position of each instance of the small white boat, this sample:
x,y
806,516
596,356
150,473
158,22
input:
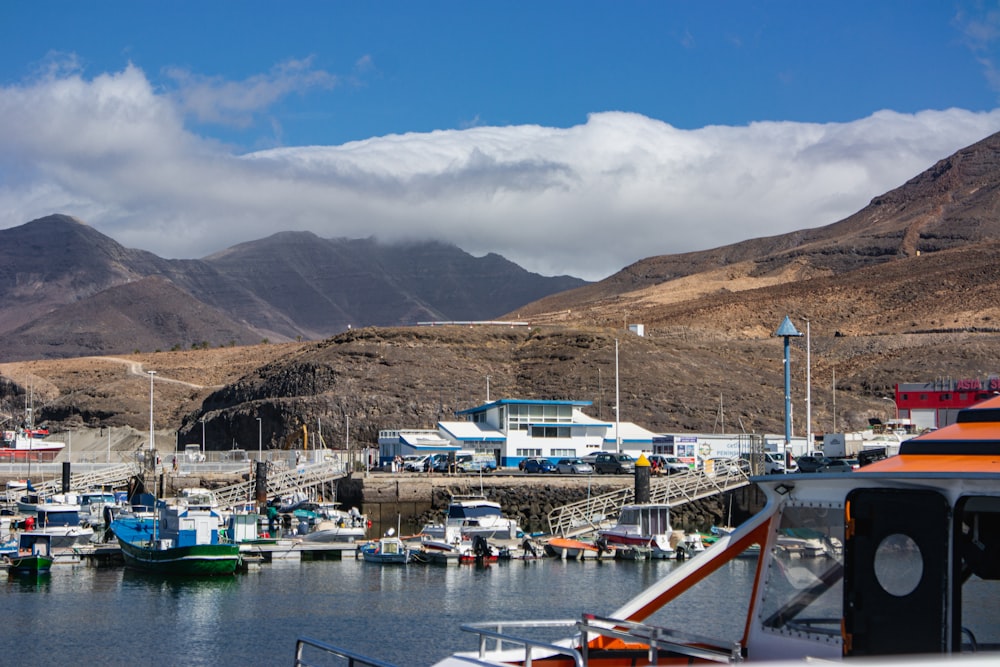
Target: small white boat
x,y
644,531
472,516
62,523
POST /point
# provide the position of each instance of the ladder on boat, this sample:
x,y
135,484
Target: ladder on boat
x,y
588,515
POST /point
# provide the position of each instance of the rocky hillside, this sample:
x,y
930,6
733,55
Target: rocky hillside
x,y
65,286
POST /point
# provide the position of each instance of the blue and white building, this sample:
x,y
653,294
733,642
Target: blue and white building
x,y
511,430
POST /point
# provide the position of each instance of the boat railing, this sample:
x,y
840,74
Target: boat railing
x,y
498,632
658,639
353,659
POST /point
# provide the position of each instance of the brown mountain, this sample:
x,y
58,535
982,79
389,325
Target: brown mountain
x,y
290,285
952,205
903,291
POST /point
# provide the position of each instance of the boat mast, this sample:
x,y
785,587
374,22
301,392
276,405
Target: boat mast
x,y
151,464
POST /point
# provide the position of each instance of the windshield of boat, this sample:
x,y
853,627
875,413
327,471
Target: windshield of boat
x,y
472,511
803,584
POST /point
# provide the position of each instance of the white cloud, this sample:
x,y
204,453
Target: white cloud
x,y
585,200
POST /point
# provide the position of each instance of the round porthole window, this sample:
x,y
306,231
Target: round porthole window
x,y
899,565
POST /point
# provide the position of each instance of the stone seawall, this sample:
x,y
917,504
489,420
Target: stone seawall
x,y
418,499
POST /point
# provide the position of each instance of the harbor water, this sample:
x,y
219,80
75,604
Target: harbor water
x,y
406,615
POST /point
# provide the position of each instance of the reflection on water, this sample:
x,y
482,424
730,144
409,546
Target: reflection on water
x,y
409,615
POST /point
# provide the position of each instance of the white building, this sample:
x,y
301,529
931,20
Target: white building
x,y
512,430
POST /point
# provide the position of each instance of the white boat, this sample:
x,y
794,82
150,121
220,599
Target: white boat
x,y
644,530
917,574
472,516
61,521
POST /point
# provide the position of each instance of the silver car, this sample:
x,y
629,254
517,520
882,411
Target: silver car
x,y
574,467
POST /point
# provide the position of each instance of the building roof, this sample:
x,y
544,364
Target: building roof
x,y
517,401
472,432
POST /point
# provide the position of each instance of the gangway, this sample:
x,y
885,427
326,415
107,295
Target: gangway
x,y
283,481
115,476
588,515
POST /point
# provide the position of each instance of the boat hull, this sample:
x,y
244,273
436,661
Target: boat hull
x,y
30,565
202,560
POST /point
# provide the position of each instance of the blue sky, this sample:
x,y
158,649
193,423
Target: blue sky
x,y
570,137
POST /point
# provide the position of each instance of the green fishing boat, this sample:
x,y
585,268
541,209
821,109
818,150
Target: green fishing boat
x,y
33,556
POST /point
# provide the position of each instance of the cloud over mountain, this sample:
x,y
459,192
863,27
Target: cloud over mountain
x,y
584,200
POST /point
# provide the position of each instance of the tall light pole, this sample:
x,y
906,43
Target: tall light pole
x,y
786,331
886,398
809,424
202,420
487,388
260,440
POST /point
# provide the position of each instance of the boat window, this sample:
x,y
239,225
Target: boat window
x,y
978,587
803,584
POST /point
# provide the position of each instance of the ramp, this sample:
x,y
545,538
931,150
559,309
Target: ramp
x,y
674,490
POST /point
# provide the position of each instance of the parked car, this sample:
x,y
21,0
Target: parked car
x,y
471,463
774,462
414,462
836,465
614,464
855,463
667,465
812,462
538,465
574,467
592,456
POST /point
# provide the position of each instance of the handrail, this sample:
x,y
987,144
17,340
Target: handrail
x,y
587,515
657,637
352,658
528,644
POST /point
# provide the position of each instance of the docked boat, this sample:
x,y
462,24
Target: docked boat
x,y
22,444
472,516
389,550
33,555
569,549
62,523
182,540
644,531
335,525
917,573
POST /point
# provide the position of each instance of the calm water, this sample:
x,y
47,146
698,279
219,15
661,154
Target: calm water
x,y
408,615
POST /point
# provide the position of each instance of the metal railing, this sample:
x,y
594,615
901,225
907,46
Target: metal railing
x,y
282,481
589,515
352,659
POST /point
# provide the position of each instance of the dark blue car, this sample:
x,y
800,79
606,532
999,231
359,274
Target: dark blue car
x,y
538,465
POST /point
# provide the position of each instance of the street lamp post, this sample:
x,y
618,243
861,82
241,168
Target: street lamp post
x,y
894,405
786,331
809,428
260,440
202,436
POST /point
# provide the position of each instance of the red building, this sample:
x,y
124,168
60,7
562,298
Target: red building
x,y
935,404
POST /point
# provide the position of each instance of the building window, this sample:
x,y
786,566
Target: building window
x,y
923,397
904,397
527,452
549,432
564,453
945,397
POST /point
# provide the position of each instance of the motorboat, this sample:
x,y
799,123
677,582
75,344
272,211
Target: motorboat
x,y
336,525
388,550
472,516
22,444
916,573
643,530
